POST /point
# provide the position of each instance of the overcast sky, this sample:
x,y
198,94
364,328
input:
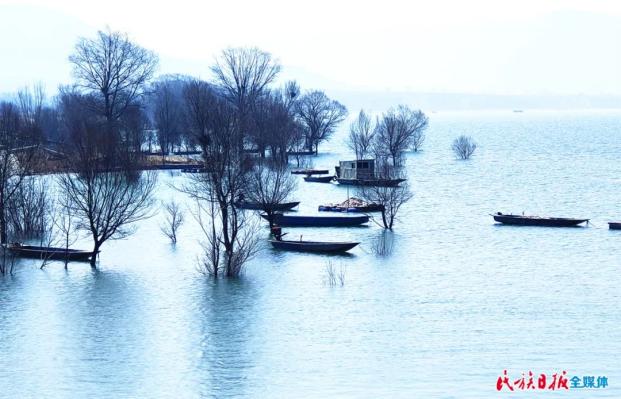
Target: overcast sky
x,y
475,46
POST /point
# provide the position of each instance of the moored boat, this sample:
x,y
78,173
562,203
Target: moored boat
x,y
310,172
521,220
51,253
317,221
285,206
318,179
362,173
614,225
313,246
370,182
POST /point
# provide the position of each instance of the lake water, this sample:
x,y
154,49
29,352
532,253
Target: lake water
x,y
458,300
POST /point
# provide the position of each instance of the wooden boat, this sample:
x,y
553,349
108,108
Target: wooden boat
x,y
317,221
52,253
614,225
313,246
310,172
319,179
520,220
285,206
362,173
370,182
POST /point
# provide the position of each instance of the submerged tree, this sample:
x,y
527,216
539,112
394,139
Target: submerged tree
x,y
391,198
174,218
17,161
231,238
397,130
270,184
361,133
320,116
104,185
463,147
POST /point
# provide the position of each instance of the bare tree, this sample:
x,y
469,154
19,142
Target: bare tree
x,y
275,126
233,239
104,187
464,147
199,99
418,122
244,75
320,117
31,106
114,70
361,133
397,130
391,199
167,115
270,184
28,209
174,218
16,161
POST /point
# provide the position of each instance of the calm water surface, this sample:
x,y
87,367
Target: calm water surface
x,y
456,301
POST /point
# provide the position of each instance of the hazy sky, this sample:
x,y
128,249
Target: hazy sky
x,y
475,46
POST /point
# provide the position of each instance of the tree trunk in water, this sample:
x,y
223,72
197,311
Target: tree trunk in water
x,y
384,219
3,234
95,254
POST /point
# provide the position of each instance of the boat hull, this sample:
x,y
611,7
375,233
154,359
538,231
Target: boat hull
x,y
313,246
518,220
310,172
51,253
285,206
317,221
319,179
373,183
614,225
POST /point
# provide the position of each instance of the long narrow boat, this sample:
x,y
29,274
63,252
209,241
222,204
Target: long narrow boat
x,y
614,225
318,179
310,172
317,221
370,182
32,251
285,206
313,246
520,220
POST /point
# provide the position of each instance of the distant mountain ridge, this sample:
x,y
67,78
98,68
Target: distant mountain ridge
x,y
379,101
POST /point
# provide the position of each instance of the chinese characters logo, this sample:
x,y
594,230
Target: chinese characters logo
x,y
556,381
